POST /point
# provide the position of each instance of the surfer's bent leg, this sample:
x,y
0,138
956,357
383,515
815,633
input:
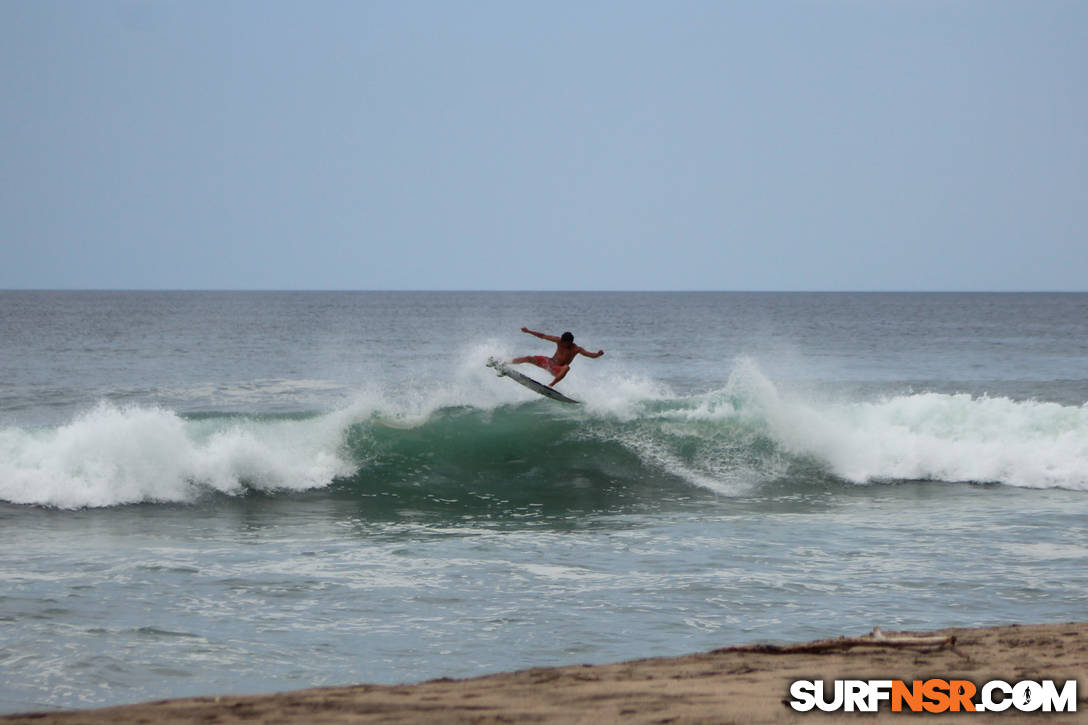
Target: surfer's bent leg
x,y
560,372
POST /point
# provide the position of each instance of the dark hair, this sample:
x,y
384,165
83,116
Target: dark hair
x,y
567,337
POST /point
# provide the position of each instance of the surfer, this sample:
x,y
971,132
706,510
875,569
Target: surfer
x,y
559,363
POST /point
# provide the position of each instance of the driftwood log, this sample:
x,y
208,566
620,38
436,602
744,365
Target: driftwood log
x,y
876,638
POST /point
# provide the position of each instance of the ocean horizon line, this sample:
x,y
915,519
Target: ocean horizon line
x,y
274,290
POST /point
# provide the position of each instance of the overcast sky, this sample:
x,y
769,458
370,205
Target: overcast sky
x,y
793,145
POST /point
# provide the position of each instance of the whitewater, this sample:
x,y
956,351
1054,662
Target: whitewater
x,y
225,492
724,440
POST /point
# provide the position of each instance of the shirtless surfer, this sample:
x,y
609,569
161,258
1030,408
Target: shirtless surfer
x,y
559,363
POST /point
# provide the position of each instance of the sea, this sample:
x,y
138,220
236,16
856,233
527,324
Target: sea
x,y
243,492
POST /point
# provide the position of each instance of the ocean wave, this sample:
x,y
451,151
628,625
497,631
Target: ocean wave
x,y
922,436
119,455
631,435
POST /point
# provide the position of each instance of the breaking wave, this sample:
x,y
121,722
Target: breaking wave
x,y
630,434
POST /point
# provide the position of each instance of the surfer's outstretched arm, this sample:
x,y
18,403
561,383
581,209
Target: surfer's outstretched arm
x,y
587,353
541,335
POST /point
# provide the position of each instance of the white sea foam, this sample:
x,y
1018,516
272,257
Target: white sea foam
x,y
113,455
749,431
949,438
927,436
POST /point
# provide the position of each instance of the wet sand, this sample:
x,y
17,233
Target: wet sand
x,y
748,684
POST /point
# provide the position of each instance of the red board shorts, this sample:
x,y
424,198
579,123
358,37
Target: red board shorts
x,y
547,363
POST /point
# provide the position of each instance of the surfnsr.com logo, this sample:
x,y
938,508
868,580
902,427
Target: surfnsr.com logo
x,y
933,695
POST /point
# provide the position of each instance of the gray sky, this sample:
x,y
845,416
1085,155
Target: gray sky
x,y
801,144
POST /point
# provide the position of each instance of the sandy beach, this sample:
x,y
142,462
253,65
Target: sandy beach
x,y
748,684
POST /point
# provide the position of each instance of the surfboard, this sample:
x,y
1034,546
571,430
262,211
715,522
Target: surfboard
x,y
504,370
